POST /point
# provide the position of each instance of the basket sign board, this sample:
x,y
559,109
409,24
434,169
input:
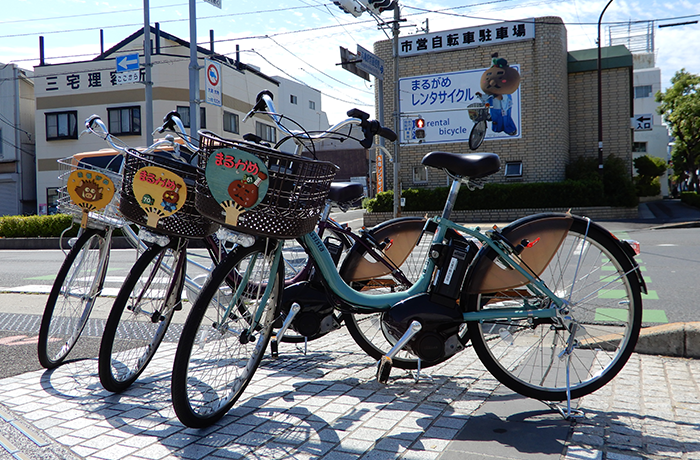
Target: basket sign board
x,y
159,192
237,180
213,82
90,191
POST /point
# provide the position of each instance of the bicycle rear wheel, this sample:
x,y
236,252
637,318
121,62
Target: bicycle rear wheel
x,y
72,297
216,356
592,274
141,315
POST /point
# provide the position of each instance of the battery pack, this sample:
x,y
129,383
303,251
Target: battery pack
x,y
453,263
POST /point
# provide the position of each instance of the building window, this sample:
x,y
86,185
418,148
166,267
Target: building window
x,y
184,113
266,132
642,91
293,99
62,125
312,105
639,147
125,120
514,169
420,175
231,122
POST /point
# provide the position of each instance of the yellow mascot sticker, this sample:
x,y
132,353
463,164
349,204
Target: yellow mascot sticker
x,y
89,190
160,192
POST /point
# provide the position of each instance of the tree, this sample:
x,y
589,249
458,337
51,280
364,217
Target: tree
x,y
680,107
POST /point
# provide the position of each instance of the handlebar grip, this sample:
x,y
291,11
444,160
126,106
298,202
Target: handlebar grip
x,y
90,120
387,134
168,122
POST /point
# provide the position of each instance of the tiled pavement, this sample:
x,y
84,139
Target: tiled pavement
x,y
327,405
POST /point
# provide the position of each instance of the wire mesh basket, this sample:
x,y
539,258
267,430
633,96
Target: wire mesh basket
x,y
170,211
94,168
291,191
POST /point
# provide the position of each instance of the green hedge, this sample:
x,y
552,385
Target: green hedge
x,y
691,198
36,226
583,187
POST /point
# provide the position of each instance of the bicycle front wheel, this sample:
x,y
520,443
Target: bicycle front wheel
x,y
218,352
72,297
140,316
477,134
589,344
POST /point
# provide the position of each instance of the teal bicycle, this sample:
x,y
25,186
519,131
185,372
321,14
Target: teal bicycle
x,y
551,303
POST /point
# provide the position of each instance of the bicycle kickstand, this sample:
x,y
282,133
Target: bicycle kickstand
x,y
385,363
274,342
569,414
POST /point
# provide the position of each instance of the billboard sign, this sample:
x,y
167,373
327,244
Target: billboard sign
x,y
451,103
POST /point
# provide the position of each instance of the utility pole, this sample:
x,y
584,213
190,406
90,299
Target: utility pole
x,y
194,73
397,112
148,82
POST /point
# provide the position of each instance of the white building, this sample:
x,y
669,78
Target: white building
x,y
17,176
67,94
649,139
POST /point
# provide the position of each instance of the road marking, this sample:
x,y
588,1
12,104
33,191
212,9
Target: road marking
x,y
620,314
19,340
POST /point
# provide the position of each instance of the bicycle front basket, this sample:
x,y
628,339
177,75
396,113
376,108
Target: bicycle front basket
x,y
259,190
158,193
91,184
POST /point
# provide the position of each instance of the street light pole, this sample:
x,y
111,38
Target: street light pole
x,y
600,96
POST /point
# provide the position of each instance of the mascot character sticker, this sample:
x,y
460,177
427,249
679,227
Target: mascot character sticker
x,y
160,192
498,82
238,181
89,190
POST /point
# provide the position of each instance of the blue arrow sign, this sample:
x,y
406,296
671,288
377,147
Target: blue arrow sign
x,y
128,62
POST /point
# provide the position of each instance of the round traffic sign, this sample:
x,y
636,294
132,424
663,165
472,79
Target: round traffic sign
x,y
213,74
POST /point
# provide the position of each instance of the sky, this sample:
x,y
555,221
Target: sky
x,y
300,39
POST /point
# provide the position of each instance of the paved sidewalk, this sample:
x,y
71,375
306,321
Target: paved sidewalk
x,y
327,405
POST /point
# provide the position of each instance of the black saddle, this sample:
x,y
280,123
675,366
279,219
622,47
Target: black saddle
x,y
472,165
345,192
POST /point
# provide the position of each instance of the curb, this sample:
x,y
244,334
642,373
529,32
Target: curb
x,y
675,339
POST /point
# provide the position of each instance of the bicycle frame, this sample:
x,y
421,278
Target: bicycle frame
x,y
368,303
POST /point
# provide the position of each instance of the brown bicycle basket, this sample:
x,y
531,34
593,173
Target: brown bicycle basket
x,y
187,222
296,194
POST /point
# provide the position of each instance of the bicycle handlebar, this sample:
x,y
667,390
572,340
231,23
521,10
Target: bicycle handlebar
x,y
171,121
264,104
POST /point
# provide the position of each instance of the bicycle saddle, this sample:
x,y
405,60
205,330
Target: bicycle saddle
x,y
473,165
343,192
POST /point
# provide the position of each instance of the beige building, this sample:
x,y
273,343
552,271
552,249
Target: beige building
x,y
67,94
554,109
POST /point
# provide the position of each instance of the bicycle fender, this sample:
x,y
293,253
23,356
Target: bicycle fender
x,y
485,275
404,232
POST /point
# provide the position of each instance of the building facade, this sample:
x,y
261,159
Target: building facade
x,y
67,94
550,116
17,171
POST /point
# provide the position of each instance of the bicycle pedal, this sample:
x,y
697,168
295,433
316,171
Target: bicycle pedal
x,y
274,348
384,369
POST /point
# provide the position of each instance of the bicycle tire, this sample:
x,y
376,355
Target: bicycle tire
x,y
72,297
477,134
213,365
132,332
605,304
368,330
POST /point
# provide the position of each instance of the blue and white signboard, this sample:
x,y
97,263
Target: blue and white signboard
x,y
443,101
370,63
128,62
127,69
